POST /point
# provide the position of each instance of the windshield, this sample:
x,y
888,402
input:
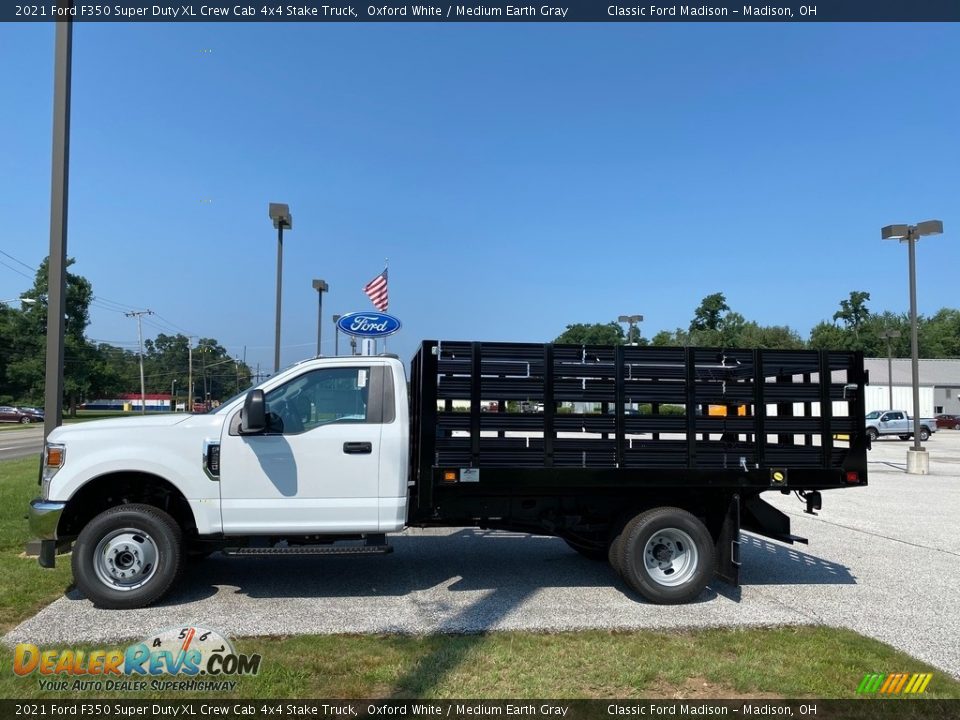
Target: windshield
x,y
225,403
873,415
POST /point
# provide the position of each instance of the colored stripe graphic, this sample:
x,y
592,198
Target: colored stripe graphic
x,y
895,683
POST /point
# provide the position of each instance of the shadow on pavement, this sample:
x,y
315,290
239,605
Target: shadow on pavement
x,y
511,566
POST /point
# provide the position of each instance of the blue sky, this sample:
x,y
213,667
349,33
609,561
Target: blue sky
x,y
518,177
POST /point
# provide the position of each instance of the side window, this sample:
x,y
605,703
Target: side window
x,y
320,397
896,416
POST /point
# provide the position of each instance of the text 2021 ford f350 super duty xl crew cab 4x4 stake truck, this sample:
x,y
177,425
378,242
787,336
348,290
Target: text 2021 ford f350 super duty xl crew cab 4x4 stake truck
x,y
624,462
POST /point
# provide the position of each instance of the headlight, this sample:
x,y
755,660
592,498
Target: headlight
x,y
53,456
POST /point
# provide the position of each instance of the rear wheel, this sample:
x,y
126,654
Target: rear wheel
x,y
666,555
924,434
25,420
872,434
127,556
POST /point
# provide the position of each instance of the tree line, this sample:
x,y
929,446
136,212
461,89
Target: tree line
x,y
852,327
100,370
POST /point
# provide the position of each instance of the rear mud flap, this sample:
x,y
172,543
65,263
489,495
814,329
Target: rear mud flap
x,y
764,519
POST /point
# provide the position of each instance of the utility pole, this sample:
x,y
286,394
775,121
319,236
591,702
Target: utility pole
x,y
189,405
138,314
59,185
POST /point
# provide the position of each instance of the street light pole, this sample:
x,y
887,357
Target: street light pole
x,y
632,335
918,462
321,287
280,214
336,336
887,335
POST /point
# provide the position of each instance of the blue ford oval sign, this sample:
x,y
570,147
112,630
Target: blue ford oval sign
x,y
368,324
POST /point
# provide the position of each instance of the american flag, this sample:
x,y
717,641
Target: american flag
x,y
376,290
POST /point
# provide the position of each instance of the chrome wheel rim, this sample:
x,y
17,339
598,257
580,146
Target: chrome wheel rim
x,y
670,557
126,559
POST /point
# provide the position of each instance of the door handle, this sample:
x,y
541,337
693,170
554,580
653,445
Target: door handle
x,y
358,448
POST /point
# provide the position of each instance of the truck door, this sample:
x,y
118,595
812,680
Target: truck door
x,y
896,422
316,468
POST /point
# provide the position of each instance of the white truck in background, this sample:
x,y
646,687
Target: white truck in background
x,y
899,423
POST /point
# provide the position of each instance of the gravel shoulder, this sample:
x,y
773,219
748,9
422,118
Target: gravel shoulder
x,y
882,560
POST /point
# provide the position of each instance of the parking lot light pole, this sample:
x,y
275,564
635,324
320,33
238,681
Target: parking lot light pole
x,y
336,335
321,287
918,462
633,335
888,335
280,214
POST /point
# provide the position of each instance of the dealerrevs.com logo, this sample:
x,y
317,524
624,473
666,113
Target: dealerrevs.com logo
x,y
894,683
189,659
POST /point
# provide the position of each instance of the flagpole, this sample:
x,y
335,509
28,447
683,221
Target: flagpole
x,y
386,266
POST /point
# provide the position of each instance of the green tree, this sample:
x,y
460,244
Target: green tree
x,y
939,336
610,333
709,313
27,339
854,312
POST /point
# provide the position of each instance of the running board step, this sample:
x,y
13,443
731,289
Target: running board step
x,y
311,550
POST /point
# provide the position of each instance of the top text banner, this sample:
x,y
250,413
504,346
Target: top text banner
x,y
497,11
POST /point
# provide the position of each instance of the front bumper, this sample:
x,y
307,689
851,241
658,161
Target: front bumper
x,y
44,518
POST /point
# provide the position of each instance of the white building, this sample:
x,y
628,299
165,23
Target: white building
x,y
939,386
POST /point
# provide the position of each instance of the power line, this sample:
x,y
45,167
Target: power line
x,y
18,272
32,268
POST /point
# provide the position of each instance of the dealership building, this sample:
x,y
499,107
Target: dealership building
x,y
939,386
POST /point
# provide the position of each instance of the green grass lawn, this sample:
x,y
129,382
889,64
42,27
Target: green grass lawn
x,y
790,662
24,586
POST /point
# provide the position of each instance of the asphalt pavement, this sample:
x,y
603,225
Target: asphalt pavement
x,y
882,560
21,442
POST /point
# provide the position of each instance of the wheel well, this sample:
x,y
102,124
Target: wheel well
x,y
114,489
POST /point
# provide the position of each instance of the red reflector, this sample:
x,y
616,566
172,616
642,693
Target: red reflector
x,y
853,476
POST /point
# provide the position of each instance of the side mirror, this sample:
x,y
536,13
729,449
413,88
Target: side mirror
x,y
253,417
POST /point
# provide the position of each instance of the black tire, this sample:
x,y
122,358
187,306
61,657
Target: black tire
x,y
596,552
25,420
155,529
615,550
924,434
872,434
655,524
904,437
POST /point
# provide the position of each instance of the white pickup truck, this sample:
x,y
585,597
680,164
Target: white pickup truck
x,y
899,423
330,455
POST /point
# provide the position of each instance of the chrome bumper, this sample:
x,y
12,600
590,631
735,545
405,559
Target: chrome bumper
x,y
44,518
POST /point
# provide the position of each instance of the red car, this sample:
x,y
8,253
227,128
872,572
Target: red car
x,y
951,422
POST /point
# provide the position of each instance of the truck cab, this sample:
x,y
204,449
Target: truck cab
x,y
328,459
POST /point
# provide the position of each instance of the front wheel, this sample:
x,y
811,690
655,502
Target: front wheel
x,y
127,556
872,434
924,434
25,420
667,555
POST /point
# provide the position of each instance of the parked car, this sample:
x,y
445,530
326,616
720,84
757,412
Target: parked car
x,y
8,413
951,422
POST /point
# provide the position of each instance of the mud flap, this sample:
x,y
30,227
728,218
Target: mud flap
x,y
764,519
728,544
